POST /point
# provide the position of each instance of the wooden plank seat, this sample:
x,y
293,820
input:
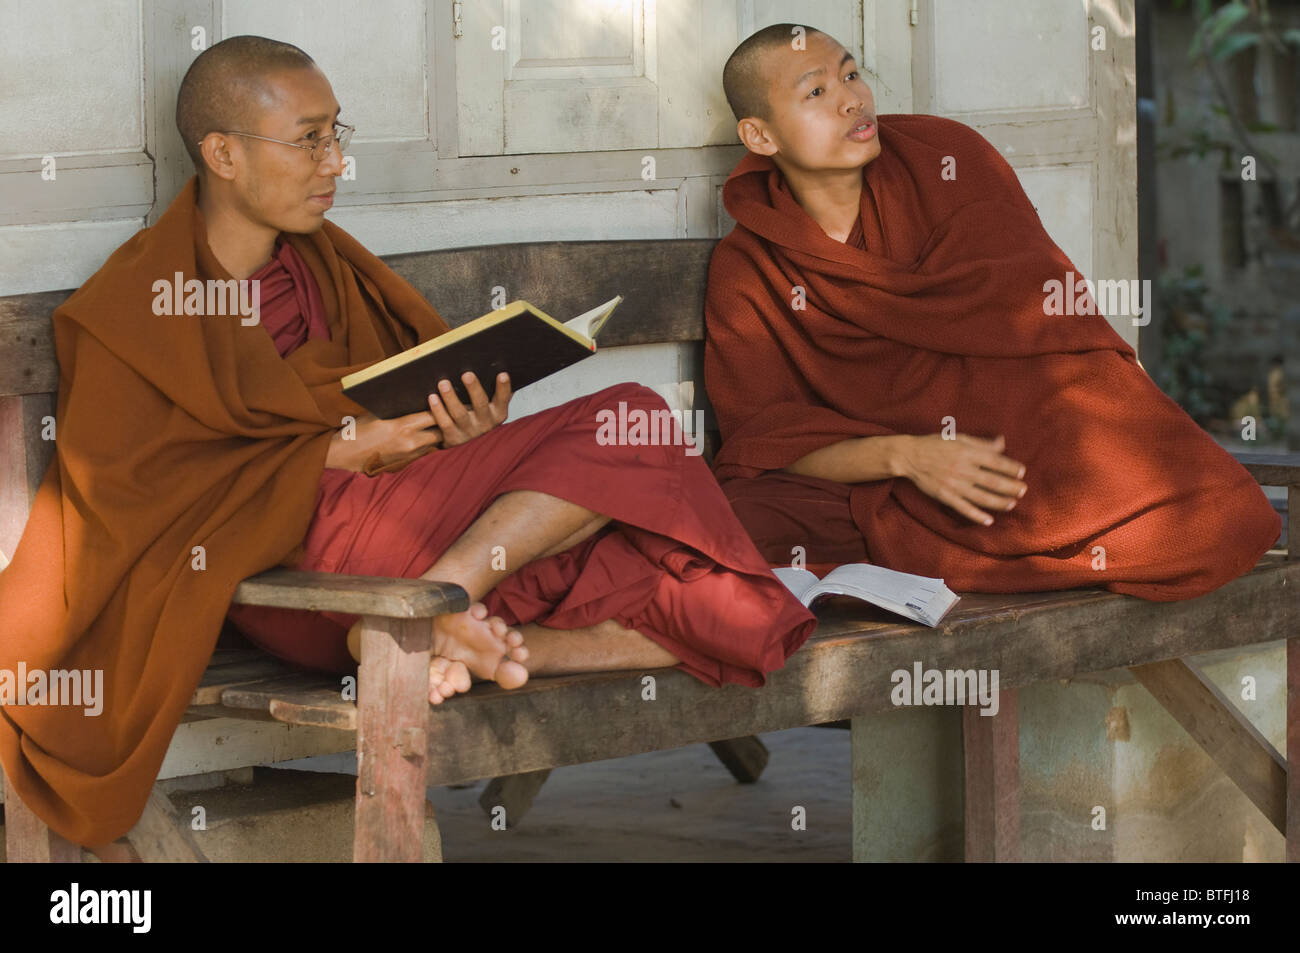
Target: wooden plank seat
x,y
843,672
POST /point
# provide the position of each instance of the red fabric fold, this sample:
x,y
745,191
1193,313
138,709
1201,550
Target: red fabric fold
x,y
940,313
676,557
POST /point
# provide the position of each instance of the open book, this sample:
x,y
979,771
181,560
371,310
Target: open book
x,y
520,339
917,597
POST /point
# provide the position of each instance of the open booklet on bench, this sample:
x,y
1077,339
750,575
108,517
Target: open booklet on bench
x,y
520,339
920,598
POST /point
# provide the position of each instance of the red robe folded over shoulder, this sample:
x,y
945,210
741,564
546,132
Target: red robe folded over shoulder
x,y
942,315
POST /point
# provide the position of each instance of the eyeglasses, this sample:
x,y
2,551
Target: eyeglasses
x,y
318,149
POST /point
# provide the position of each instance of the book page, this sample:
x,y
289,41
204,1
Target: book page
x,y
922,598
798,581
589,323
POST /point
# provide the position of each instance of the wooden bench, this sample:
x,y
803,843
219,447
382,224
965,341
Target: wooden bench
x,y
843,672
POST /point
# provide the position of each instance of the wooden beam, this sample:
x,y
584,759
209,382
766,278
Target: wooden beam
x,y
1223,731
1293,750
991,760
392,739
27,838
363,595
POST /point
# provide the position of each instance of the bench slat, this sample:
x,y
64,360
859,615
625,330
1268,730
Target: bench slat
x,y
662,282
299,699
1272,469
362,595
27,361
217,678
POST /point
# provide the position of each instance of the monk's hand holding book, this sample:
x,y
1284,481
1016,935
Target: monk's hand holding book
x,y
968,473
460,424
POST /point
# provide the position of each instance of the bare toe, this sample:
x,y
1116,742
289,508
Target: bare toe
x,y
446,678
510,674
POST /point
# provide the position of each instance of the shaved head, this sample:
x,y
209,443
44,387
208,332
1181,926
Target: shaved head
x,y
744,80
225,87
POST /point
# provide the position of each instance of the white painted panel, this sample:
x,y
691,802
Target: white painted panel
x,y
887,55
70,76
841,19
390,229
53,257
1063,196
580,76
591,116
374,55
550,39
1000,56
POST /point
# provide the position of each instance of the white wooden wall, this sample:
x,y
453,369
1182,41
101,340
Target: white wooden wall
x,y
524,120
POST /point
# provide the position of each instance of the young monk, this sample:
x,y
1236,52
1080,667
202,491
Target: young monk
x,y
200,448
890,387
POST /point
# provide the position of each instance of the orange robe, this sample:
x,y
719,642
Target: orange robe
x,y
190,456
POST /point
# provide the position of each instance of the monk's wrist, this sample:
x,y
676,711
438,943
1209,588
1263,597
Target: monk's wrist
x,y
898,458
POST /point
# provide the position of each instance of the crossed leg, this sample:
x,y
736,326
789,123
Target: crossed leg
x,y
527,525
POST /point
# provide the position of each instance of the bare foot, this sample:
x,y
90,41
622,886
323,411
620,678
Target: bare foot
x,y
486,645
446,678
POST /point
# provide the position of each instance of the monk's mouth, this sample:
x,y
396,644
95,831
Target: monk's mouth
x,y
325,201
863,131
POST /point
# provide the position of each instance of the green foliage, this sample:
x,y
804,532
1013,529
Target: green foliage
x,y
1191,330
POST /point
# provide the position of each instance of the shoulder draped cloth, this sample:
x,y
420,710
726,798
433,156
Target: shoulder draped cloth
x,y
173,432
942,316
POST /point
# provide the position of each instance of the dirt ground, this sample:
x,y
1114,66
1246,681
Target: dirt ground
x,y
679,805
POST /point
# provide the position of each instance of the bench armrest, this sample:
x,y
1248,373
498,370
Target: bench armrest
x,y
1279,469
1272,469
361,595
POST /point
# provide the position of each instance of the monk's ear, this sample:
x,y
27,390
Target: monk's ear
x,y
216,155
754,134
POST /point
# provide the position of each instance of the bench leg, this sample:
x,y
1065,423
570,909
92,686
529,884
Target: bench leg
x,y
906,768
514,792
1293,750
161,836
991,759
27,838
1219,727
392,739
744,757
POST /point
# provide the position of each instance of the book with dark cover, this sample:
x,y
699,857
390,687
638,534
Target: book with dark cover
x,y
520,339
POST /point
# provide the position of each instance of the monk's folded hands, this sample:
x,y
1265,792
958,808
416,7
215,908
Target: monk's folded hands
x,y
970,474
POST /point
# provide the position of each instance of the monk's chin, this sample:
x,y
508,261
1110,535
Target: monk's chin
x,y
305,226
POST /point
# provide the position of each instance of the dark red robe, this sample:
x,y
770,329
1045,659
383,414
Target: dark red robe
x,y
675,564
935,309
